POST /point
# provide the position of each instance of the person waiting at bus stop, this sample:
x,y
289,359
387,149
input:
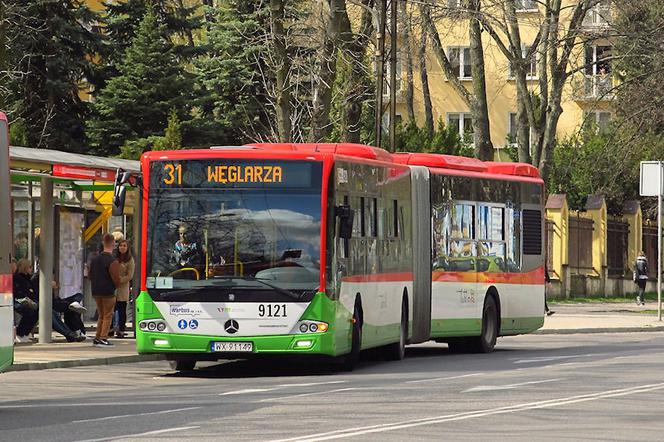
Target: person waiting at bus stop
x,y
104,278
26,293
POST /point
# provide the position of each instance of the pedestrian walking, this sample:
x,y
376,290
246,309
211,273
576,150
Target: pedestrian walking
x,y
126,272
641,276
104,278
547,280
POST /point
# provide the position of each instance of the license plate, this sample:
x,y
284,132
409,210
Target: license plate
x,y
237,347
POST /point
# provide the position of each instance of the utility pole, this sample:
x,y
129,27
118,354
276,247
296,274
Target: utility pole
x,y
380,69
393,74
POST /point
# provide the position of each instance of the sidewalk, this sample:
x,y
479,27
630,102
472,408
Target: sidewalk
x,y
600,317
593,317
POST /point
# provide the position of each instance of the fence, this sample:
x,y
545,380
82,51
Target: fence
x,y
616,248
580,245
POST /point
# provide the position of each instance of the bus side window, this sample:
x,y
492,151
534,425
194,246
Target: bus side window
x,y
345,249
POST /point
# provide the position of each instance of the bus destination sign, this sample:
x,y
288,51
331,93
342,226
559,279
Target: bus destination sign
x,y
216,173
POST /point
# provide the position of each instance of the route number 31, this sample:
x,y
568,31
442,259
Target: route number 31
x,y
173,174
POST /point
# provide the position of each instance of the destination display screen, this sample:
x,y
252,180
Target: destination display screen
x,y
235,173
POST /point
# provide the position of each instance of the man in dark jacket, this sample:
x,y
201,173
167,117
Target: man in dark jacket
x,y
104,277
641,276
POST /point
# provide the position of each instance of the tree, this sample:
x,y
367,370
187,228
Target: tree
x,y
51,45
233,101
475,100
638,48
553,48
136,104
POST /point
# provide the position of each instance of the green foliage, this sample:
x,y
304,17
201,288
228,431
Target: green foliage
x,y
136,103
605,163
232,99
173,135
18,133
444,140
50,46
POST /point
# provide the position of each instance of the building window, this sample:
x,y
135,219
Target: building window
x,y
599,81
454,4
597,119
525,5
531,65
512,135
461,123
599,14
460,60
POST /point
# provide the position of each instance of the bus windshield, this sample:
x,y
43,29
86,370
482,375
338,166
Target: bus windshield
x,y
254,239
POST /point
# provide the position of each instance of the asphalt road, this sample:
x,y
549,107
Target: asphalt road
x,y
537,387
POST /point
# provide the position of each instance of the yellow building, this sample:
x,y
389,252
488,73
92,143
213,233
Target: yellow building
x,y
586,98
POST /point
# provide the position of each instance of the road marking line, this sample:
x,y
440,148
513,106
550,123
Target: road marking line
x,y
445,379
133,415
508,386
358,431
310,384
272,399
247,390
556,358
149,433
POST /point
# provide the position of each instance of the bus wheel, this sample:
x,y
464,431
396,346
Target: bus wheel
x,y
397,351
350,360
183,365
486,342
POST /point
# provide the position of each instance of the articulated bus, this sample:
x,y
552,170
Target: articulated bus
x,y
6,302
330,249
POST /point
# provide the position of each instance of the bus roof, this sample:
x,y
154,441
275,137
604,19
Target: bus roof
x,y
441,161
347,149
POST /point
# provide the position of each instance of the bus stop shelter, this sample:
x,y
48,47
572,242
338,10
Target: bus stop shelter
x,y
78,189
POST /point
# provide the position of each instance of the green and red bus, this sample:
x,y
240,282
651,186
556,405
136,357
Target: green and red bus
x,y
6,301
330,249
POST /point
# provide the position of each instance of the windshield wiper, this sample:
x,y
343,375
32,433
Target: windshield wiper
x,y
262,281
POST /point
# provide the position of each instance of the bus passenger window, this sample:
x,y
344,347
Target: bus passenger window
x,y
363,217
462,221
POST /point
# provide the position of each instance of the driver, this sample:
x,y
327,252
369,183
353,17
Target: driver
x,y
186,251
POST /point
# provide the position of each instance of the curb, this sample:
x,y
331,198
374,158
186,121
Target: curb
x,y
85,362
571,331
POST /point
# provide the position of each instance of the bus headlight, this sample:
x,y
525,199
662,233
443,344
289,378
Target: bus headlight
x,y
152,326
311,327
143,325
161,326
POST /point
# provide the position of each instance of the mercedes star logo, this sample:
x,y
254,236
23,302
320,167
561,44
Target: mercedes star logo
x,y
231,326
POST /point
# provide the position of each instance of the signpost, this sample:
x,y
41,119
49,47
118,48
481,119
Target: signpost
x,y
652,184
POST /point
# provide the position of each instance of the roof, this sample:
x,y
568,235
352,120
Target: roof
x,y
467,164
347,149
53,157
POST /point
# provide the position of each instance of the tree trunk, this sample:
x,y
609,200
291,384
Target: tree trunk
x,y
479,107
407,33
355,46
424,79
322,100
282,67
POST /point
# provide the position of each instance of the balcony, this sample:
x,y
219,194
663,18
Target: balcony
x,y
593,88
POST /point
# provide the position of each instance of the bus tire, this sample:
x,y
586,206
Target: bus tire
x,y
183,365
397,350
486,341
351,359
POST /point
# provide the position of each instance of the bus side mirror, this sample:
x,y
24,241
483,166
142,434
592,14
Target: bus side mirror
x,y
119,192
345,215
